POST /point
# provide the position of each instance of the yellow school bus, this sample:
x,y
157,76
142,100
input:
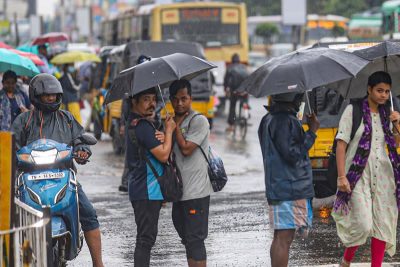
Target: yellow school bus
x,y
220,27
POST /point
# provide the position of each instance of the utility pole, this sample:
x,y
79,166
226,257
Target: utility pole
x,y
5,9
16,29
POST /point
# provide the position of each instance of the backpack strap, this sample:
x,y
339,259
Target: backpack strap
x,y
201,149
142,150
195,115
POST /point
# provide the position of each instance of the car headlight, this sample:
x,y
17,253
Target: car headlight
x,y
44,157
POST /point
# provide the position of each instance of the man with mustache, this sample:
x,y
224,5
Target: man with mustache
x,y
143,187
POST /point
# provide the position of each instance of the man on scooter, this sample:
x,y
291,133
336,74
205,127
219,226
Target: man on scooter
x,y
47,121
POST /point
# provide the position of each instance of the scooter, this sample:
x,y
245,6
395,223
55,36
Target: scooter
x,y
47,179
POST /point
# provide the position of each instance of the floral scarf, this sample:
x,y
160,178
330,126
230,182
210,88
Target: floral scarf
x,y
361,157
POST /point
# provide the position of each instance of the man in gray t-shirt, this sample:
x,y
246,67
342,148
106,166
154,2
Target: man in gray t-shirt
x,y
190,215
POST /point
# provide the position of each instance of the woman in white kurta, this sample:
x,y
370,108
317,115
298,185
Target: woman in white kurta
x,y
372,206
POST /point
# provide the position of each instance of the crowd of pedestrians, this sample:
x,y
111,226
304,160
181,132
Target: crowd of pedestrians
x,y
366,204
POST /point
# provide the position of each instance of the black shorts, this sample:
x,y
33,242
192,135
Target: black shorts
x,y
190,218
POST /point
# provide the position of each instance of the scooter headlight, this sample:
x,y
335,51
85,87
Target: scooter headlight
x,y
44,157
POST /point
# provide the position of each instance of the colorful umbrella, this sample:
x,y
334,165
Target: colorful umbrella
x,y
4,45
27,47
50,37
35,59
74,56
20,65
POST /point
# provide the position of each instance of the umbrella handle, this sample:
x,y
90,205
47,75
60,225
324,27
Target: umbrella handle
x,y
391,101
162,99
308,103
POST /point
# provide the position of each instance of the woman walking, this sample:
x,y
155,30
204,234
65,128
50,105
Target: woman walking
x,y
367,201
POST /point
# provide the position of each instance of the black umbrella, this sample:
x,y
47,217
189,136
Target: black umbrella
x,y
384,56
302,71
159,72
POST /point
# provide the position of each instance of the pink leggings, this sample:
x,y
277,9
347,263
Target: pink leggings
x,y
377,252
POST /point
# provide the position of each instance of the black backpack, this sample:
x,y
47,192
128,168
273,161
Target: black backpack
x,y
330,187
238,73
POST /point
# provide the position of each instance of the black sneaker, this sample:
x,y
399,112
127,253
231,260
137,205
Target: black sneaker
x,y
123,188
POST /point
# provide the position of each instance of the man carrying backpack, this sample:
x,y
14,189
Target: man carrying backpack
x,y
190,214
234,76
143,149
288,174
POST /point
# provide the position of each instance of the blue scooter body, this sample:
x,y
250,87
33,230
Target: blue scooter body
x,y
47,180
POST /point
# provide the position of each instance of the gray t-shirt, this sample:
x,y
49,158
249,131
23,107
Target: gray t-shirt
x,y
196,183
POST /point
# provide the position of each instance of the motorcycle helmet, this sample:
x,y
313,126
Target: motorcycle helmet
x,y
45,84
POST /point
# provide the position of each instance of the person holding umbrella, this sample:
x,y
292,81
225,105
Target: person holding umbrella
x,y
143,186
190,214
368,196
71,91
46,68
13,101
288,174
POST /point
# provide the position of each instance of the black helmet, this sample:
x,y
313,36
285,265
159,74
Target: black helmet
x,y
45,84
288,97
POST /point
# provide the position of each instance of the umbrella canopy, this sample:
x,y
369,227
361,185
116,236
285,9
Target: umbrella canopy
x,y
50,37
3,45
20,65
28,48
160,71
302,71
35,59
384,57
74,56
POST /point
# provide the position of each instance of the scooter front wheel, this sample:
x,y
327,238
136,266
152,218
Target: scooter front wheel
x,y
59,252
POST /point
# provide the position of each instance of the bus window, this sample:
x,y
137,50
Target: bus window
x,y
202,25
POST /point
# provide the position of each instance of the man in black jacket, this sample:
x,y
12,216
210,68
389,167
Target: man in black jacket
x,y
47,121
288,174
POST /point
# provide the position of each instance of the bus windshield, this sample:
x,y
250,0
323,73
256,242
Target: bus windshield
x,y
205,26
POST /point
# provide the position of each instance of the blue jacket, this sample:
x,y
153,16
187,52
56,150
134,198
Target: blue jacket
x,y
285,145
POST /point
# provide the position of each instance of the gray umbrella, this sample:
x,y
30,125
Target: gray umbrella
x,y
384,57
160,72
302,71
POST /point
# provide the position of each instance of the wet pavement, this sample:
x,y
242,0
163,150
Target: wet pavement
x,y
239,233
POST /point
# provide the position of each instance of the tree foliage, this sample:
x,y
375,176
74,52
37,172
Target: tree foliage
x,y
267,31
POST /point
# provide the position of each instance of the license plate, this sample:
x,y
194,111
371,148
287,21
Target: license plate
x,y
45,176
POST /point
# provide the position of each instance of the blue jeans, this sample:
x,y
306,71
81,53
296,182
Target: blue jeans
x,y
87,214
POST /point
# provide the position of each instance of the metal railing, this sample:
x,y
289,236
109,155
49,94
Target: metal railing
x,y
30,238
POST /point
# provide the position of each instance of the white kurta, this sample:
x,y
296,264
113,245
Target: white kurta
x,y
373,207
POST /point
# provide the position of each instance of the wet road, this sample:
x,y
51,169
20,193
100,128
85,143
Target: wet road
x,y
239,233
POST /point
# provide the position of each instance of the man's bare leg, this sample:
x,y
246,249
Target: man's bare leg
x,y
93,240
280,246
193,263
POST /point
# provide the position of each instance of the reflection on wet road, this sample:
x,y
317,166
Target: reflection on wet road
x,y
239,233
